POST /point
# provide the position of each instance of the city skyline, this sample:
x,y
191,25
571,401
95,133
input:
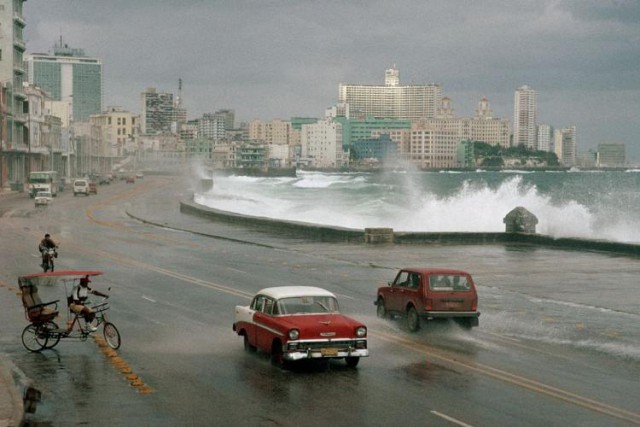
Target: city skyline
x,y
278,59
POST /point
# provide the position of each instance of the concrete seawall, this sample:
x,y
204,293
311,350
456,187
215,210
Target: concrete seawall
x,y
339,234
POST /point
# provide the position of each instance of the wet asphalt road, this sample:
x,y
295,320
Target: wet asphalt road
x,y
558,342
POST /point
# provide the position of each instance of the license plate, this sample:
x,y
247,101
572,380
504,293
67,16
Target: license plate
x,y
329,351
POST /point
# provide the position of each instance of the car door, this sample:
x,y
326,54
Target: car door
x,y
411,291
395,293
264,325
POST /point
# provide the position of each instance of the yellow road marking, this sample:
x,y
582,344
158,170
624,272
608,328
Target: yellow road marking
x,y
510,378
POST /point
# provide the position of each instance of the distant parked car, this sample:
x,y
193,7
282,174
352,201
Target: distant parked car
x,y
130,179
300,322
43,198
139,175
93,188
81,186
103,179
424,294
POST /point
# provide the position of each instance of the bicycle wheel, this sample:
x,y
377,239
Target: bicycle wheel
x,y
33,338
53,337
111,335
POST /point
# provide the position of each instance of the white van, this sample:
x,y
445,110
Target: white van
x,y
81,186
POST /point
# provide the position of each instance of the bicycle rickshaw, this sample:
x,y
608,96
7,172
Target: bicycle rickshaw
x,y
43,332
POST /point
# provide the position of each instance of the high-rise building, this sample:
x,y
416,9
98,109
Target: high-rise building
x,y
211,126
69,75
611,155
409,102
322,144
13,151
545,138
157,112
524,117
569,146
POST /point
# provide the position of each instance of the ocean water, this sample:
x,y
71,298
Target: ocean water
x,y
583,204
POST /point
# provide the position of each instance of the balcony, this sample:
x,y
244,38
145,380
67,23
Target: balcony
x,y
19,19
19,44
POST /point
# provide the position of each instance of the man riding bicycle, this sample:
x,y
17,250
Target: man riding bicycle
x,y
78,298
46,244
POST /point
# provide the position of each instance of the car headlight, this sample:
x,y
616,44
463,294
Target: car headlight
x,y
361,332
294,334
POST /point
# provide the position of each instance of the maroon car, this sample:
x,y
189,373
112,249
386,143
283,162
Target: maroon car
x,y
300,322
423,294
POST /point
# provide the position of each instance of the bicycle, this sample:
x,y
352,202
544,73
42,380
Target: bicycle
x,y
43,333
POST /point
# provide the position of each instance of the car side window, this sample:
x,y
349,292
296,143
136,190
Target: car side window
x,y
415,281
268,306
258,303
402,279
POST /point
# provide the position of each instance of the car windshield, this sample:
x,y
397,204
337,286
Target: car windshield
x,y
43,194
449,282
307,305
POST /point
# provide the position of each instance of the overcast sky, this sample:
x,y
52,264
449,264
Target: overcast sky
x,y
271,59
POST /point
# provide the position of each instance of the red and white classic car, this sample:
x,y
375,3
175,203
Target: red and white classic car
x,y
300,322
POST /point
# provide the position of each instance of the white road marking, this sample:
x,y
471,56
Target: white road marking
x,y
148,299
451,419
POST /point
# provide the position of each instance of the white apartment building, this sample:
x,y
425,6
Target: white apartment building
x,y
486,128
545,138
321,144
279,155
211,126
432,147
524,117
482,127
409,102
117,129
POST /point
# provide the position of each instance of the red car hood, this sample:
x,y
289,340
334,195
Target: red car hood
x,y
322,326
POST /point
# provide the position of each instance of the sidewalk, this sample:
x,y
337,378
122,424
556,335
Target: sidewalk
x,y
11,404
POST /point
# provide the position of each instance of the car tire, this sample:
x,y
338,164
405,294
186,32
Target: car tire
x,y
413,320
352,362
247,346
465,323
381,309
277,356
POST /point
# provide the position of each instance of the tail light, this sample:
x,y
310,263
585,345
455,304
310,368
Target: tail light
x,y
428,305
474,303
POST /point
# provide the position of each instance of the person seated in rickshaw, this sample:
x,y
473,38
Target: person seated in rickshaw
x,y
78,298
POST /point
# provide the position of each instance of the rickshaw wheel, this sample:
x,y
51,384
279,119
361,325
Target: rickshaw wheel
x,y
33,338
53,340
111,335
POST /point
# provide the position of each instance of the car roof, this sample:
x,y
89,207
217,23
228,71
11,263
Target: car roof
x,y
294,291
433,270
